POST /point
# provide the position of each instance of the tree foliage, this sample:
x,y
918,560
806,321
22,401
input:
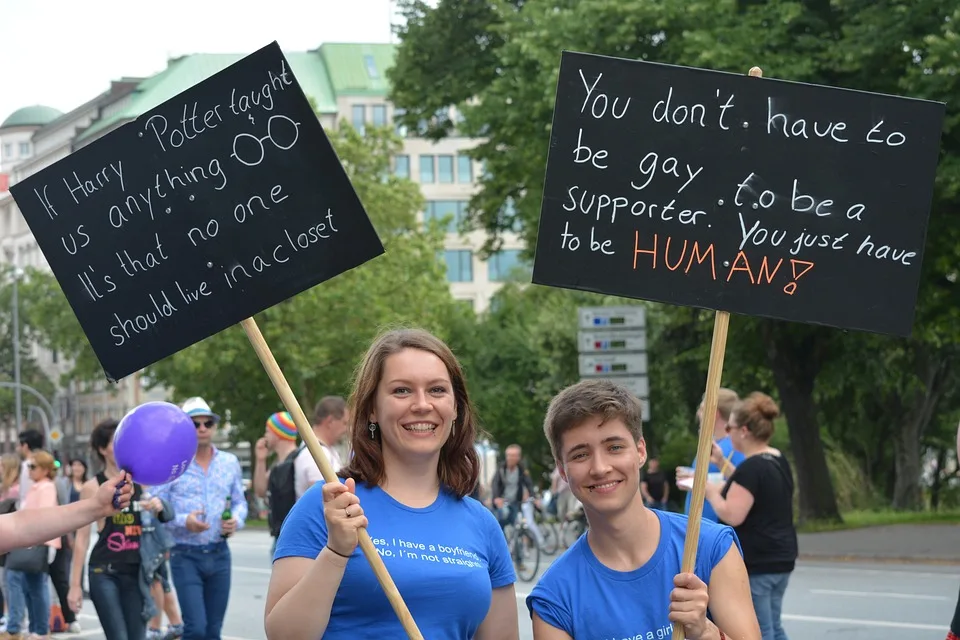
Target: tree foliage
x,y
898,387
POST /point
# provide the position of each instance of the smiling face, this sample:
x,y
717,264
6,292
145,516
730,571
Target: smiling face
x,y
601,461
414,405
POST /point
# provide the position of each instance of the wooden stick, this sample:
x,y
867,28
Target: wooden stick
x,y
718,349
310,439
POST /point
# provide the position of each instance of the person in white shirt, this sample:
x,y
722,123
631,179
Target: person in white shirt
x,y
330,421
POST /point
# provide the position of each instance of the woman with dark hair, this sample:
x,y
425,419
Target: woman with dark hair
x,y
78,475
757,501
413,468
119,592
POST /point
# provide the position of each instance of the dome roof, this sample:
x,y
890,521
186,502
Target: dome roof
x,y
36,115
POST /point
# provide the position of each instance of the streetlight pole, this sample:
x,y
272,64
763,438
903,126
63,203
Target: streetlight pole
x,y
16,348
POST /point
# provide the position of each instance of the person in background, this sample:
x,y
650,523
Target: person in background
x,y
654,486
155,544
280,439
78,475
200,559
954,632
623,577
30,440
330,423
59,569
757,500
726,400
9,497
414,465
41,495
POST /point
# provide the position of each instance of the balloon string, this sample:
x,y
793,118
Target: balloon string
x,y
116,493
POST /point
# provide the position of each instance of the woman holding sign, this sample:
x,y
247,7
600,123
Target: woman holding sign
x,y
413,469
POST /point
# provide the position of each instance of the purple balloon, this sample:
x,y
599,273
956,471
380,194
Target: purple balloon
x,y
155,443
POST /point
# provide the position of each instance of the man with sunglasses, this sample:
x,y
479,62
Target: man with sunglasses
x,y
200,560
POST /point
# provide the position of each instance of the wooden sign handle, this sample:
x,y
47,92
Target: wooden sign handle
x,y
310,439
718,348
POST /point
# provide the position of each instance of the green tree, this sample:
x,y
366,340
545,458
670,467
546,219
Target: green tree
x,y
890,46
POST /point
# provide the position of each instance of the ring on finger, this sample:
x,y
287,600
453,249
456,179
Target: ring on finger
x,y
346,511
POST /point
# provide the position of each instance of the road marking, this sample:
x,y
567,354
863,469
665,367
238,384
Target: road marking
x,y
864,623
874,594
834,570
252,570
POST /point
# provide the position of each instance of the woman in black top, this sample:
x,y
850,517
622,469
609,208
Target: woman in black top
x,y
757,501
120,594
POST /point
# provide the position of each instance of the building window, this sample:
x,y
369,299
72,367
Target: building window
x,y
399,127
506,266
371,65
459,265
7,151
426,170
24,149
401,166
359,117
445,169
464,170
440,209
379,113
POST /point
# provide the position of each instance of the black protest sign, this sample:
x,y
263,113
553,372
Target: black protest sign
x,y
728,192
219,203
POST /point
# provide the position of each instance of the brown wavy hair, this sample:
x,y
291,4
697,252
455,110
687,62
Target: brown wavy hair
x,y
459,466
757,413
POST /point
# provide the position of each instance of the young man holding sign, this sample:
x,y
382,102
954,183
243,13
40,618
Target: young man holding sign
x,y
623,579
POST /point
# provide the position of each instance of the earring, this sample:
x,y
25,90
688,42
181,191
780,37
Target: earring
x,y
453,427
372,427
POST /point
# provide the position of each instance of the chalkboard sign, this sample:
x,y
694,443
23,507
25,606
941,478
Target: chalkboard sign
x,y
221,202
728,192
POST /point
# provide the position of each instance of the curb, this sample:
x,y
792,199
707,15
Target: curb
x,y
877,559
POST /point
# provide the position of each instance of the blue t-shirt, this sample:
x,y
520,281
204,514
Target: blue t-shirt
x,y
590,601
445,560
726,446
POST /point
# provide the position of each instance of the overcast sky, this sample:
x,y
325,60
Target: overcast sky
x,y
62,53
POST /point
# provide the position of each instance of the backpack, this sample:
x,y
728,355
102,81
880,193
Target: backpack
x,y
281,491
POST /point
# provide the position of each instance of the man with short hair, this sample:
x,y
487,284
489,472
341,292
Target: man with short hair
x,y
623,577
331,420
727,399
511,485
200,560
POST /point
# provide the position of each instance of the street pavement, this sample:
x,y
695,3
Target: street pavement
x,y
861,600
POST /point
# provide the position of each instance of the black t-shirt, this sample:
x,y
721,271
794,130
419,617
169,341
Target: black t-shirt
x,y
655,483
767,535
119,542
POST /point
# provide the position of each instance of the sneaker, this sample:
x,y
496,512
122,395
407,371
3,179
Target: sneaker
x,y
154,634
74,627
174,632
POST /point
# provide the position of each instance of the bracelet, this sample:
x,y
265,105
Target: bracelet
x,y
348,557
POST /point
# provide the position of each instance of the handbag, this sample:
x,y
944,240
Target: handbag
x,y
28,559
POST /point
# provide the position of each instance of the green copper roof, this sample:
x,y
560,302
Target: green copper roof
x,y
358,69
183,73
34,116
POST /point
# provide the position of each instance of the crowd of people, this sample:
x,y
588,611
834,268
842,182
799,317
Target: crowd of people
x,y
411,478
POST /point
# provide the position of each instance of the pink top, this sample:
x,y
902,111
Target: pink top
x,y
42,494
12,493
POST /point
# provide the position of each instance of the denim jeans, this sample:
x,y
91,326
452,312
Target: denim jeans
x,y
119,603
34,594
767,590
16,601
201,577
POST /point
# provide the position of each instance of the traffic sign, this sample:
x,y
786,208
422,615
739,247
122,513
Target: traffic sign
x,y
627,317
55,435
638,385
607,364
613,340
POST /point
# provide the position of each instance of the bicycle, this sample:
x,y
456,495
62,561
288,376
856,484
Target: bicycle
x,y
523,548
